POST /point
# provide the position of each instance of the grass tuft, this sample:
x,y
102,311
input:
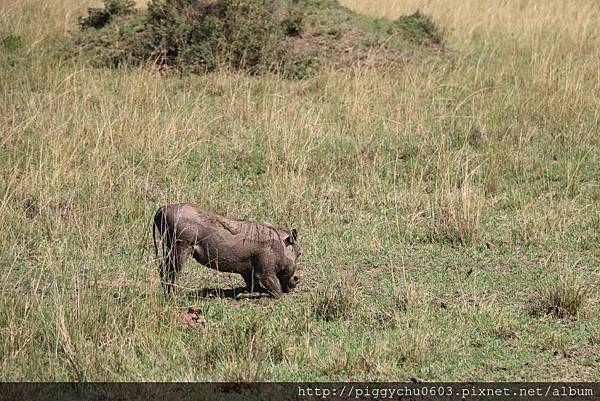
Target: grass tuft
x,y
413,348
456,215
336,302
565,297
12,42
408,297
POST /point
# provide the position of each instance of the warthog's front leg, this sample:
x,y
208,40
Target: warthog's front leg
x,y
288,279
266,273
271,283
251,284
253,287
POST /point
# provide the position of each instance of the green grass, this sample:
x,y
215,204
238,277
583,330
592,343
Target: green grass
x,y
448,209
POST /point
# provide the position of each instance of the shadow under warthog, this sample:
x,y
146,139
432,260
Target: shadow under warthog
x,y
229,293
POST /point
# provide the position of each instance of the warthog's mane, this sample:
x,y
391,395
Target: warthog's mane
x,y
255,232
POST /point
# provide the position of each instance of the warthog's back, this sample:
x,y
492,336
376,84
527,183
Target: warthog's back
x,y
194,223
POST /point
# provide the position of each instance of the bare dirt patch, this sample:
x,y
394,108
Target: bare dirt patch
x,y
192,317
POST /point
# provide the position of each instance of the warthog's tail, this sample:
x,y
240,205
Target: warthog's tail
x,y
159,225
154,239
154,228
165,263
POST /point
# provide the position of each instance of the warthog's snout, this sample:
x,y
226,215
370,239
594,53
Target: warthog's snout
x,y
294,281
290,283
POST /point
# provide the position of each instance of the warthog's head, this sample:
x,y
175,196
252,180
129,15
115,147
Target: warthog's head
x,y
291,248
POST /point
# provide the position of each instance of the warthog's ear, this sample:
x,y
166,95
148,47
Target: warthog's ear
x,y
292,238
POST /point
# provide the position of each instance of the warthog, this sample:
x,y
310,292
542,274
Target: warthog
x,y
264,254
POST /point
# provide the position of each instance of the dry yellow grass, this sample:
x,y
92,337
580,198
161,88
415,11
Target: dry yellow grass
x,y
522,23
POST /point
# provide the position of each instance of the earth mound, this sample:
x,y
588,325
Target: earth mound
x,y
292,37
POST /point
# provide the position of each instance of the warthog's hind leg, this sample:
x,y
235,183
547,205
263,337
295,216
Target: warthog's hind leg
x,y
171,266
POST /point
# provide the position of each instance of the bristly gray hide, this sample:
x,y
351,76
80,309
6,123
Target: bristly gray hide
x,y
264,254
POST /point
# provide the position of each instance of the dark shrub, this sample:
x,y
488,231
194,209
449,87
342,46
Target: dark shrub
x,y
99,17
419,28
240,33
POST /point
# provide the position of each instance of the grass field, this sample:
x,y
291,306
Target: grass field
x,y
448,207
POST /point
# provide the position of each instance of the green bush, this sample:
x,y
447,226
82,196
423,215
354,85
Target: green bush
x,y
12,42
242,34
293,23
100,17
419,28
